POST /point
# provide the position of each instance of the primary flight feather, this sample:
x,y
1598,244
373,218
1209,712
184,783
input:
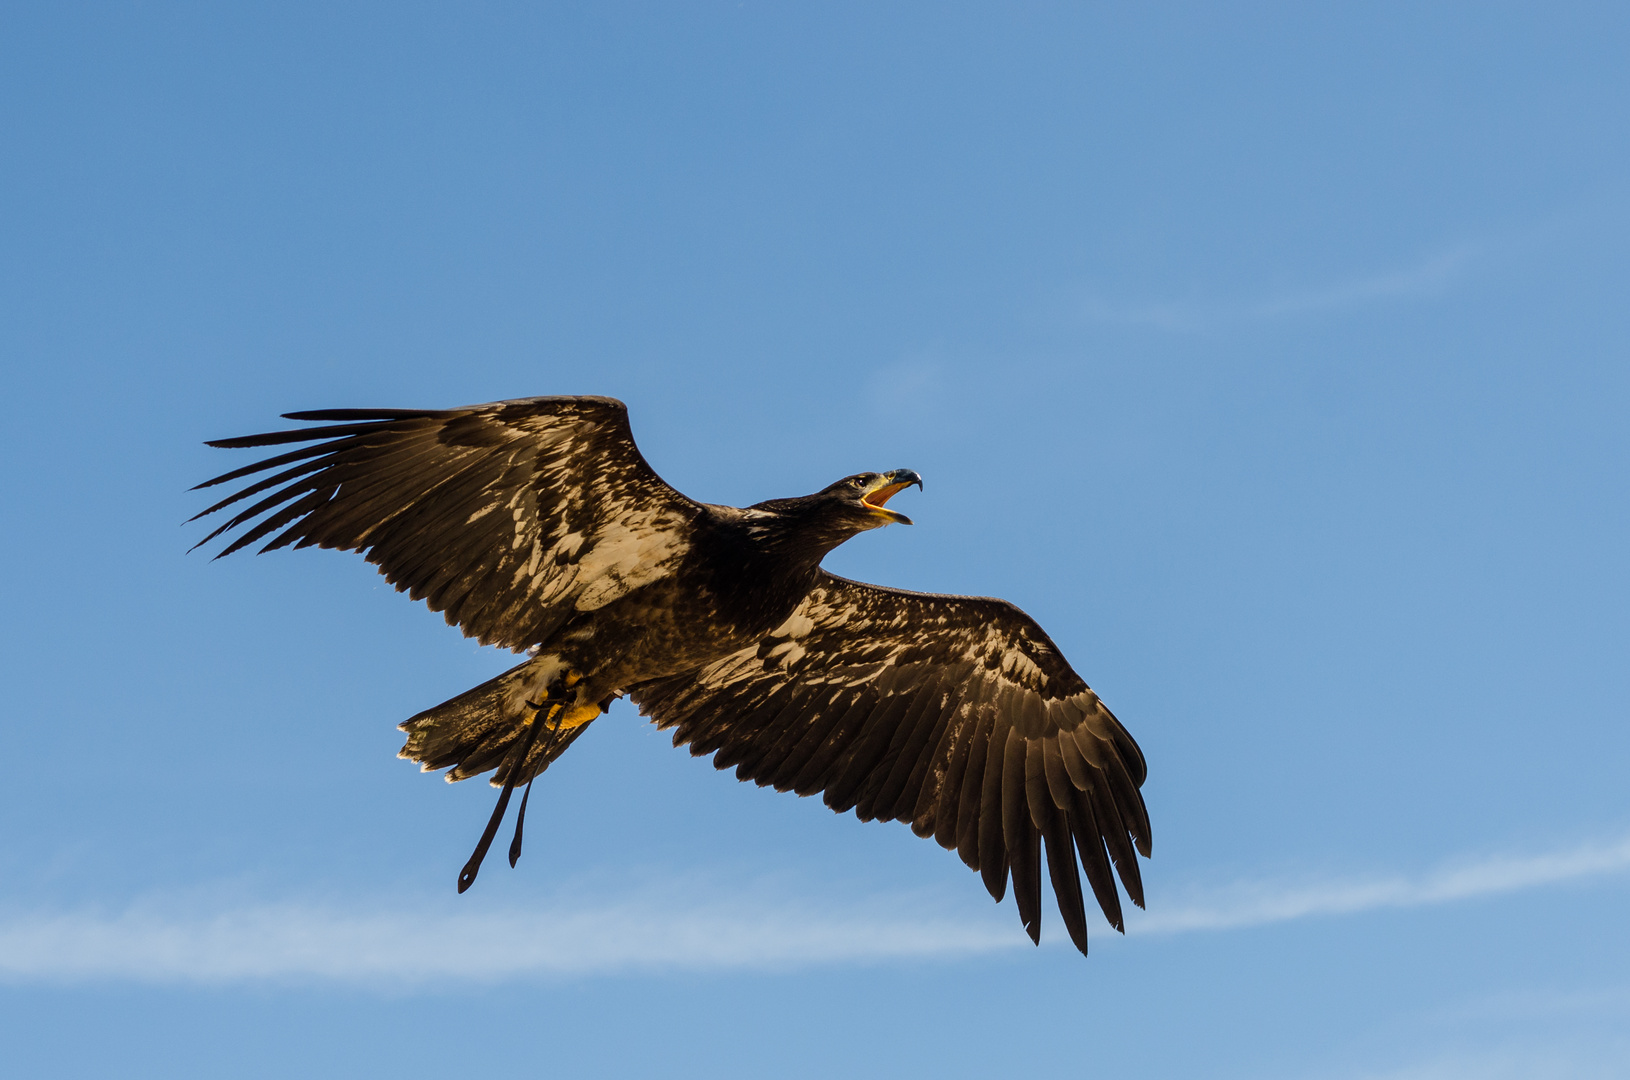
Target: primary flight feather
x,y
537,525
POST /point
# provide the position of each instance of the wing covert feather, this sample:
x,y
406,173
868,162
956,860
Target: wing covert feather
x,y
507,517
954,714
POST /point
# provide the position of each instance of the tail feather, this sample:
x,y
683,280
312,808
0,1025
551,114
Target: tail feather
x,y
477,730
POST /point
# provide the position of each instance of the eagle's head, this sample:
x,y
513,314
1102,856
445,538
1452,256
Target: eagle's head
x,y
859,500
841,510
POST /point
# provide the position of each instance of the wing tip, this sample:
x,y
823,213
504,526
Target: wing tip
x,y
342,415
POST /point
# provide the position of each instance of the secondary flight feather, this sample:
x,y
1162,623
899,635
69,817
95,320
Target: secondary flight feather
x,y
536,524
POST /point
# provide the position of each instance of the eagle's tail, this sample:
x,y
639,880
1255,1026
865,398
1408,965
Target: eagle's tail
x,y
479,729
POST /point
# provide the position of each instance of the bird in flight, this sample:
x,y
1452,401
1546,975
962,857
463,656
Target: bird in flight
x,y
536,524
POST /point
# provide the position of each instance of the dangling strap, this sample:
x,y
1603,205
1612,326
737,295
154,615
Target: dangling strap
x,y
466,876
520,815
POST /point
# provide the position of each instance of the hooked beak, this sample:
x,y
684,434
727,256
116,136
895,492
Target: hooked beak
x,y
886,487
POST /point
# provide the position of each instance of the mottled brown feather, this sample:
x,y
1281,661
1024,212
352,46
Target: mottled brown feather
x,y
955,714
414,491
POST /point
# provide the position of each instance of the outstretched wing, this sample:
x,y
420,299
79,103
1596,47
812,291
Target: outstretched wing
x,y
954,713
508,517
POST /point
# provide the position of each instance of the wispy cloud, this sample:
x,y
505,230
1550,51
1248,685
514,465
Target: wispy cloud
x,y
666,928
151,942
1429,277
908,389
1523,1035
1565,1060
1260,903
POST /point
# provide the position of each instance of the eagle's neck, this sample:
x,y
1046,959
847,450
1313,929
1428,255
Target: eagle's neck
x,y
795,537
759,564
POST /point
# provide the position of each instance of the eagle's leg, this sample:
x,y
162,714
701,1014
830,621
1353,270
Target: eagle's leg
x,y
526,796
466,876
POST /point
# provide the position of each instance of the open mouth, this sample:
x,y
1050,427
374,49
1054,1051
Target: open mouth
x,y
890,484
882,495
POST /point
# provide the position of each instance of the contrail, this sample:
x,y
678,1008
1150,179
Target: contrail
x,y
304,942
1260,903
1429,277
671,928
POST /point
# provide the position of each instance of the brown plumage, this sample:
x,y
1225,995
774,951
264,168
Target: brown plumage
x,y
537,525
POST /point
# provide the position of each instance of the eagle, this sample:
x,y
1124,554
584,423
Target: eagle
x,y
536,524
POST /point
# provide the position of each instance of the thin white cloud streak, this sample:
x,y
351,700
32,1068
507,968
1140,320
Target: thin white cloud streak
x,y
300,942
1259,904
1571,1058
1429,277
160,941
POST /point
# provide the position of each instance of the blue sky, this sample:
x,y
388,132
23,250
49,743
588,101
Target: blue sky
x,y
1272,356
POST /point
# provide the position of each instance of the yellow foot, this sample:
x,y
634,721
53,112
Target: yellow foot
x,y
578,715
574,715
